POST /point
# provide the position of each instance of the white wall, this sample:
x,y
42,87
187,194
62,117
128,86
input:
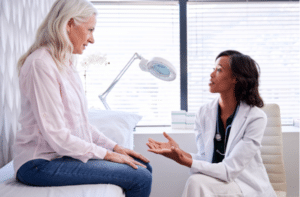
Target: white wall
x,y
19,21
169,177
291,162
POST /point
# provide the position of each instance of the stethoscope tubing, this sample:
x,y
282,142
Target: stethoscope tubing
x,y
218,135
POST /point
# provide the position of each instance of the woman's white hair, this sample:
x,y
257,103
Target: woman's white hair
x,y
52,33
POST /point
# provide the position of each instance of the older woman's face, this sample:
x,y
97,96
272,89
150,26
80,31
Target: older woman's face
x,y
222,79
81,34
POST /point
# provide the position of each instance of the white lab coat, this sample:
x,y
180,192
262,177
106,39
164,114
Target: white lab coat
x,y
242,163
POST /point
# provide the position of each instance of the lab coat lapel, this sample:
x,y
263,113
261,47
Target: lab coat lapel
x,y
210,127
237,124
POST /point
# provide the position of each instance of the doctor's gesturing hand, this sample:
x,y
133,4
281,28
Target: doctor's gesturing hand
x,y
170,150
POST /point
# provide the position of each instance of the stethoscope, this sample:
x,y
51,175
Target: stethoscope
x,y
218,135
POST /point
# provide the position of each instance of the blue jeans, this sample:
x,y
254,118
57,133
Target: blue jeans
x,y
69,171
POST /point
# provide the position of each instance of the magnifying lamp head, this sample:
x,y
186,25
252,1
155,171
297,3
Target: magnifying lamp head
x,y
159,67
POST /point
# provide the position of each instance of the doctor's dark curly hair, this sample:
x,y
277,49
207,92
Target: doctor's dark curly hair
x,y
246,71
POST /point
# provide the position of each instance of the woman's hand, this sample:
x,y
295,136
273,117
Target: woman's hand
x,y
170,150
131,153
121,158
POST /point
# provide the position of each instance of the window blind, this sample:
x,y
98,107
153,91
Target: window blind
x,y
267,31
152,30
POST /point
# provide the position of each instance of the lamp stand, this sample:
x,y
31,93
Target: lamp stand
x,y
103,96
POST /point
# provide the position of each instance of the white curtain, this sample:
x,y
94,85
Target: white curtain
x,y
19,20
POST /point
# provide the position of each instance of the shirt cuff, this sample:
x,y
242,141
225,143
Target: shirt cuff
x,y
194,156
111,145
99,153
106,143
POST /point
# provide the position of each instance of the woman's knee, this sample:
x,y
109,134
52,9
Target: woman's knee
x,y
149,167
144,175
141,182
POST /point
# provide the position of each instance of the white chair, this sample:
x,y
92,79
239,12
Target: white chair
x,y
272,150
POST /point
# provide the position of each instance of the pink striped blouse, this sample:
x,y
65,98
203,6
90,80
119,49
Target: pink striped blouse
x,y
54,115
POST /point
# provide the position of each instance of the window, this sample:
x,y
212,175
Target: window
x,y
267,31
152,30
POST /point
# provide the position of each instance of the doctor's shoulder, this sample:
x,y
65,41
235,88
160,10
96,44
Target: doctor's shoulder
x,y
208,108
257,113
205,114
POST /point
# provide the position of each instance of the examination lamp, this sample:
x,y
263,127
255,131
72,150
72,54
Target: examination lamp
x,y
157,66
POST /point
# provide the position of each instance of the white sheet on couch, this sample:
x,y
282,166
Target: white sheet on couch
x,y
12,188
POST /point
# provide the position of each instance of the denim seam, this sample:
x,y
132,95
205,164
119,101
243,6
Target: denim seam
x,y
85,174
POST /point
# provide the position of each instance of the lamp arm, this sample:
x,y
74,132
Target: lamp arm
x,y
116,80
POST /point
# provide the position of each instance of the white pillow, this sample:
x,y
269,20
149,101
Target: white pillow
x,y
116,125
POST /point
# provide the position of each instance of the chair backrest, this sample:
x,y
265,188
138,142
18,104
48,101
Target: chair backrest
x,y
272,149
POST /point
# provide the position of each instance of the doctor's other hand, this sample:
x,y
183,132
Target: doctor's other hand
x,y
170,150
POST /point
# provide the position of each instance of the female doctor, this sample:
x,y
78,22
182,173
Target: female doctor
x,y
229,132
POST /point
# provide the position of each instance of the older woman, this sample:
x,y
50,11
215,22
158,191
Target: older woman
x,y
229,132
57,145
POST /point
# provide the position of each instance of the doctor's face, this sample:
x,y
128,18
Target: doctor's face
x,y
222,79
